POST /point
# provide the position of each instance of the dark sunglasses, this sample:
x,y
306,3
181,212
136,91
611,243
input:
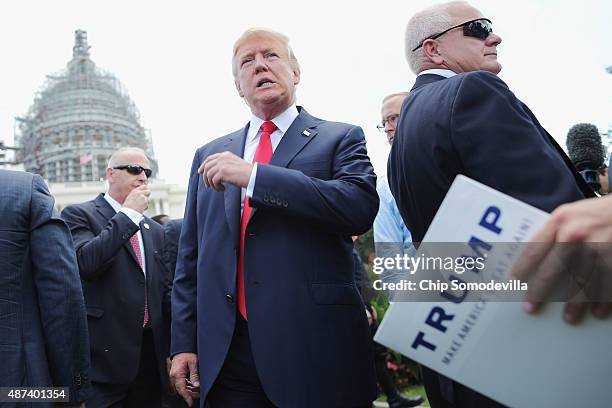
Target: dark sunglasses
x,y
478,28
134,169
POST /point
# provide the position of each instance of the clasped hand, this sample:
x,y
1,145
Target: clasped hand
x,y
225,167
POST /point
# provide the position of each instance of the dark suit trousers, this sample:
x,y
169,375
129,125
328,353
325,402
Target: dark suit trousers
x,y
144,391
238,385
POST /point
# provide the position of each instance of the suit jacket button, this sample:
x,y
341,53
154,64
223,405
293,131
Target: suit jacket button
x,y
230,298
285,203
266,198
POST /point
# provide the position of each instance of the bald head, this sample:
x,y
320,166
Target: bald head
x,y
125,154
120,180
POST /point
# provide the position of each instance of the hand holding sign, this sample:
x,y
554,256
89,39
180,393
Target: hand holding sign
x,y
575,243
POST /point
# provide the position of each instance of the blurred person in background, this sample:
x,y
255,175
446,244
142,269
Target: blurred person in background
x,y
43,327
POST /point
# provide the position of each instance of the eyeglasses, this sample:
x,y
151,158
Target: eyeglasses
x,y
391,119
478,28
134,169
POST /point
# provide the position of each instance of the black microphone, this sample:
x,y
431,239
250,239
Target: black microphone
x,y
587,152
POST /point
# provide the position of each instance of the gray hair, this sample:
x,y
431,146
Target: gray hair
x,y
265,32
112,161
424,24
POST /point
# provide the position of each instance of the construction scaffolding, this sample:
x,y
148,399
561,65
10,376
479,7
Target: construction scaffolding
x,y
78,119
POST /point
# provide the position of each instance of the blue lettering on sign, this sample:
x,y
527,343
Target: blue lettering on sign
x,y
420,341
488,221
476,244
437,315
435,319
490,218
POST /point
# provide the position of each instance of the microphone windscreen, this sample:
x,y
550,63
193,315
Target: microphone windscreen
x,y
584,146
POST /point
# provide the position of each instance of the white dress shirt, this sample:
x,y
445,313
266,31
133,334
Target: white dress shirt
x,y
282,122
136,218
446,73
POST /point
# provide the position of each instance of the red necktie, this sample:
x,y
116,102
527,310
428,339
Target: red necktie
x,y
136,247
262,155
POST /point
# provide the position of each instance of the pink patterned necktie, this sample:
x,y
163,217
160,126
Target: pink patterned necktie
x,y
136,247
262,155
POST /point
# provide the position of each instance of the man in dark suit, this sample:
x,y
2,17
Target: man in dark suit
x,y
43,328
126,287
460,118
269,303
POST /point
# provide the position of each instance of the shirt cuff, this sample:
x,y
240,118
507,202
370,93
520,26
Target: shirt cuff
x,y
251,186
134,215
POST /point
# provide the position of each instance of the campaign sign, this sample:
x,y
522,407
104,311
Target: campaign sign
x,y
494,347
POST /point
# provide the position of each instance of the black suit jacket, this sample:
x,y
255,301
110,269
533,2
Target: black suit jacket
x,y
113,285
472,124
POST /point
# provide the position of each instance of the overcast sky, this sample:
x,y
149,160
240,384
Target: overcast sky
x,y
174,58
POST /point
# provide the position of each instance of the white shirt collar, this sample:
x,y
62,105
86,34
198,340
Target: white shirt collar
x,y
282,122
446,73
113,203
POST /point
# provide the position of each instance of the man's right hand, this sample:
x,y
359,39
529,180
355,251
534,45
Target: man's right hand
x,y
580,232
138,199
185,366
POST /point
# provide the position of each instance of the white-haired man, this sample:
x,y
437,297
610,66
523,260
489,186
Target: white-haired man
x,y
125,285
264,290
461,118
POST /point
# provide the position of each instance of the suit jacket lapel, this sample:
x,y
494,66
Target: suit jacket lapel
x,y
299,134
301,131
107,212
103,207
235,144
